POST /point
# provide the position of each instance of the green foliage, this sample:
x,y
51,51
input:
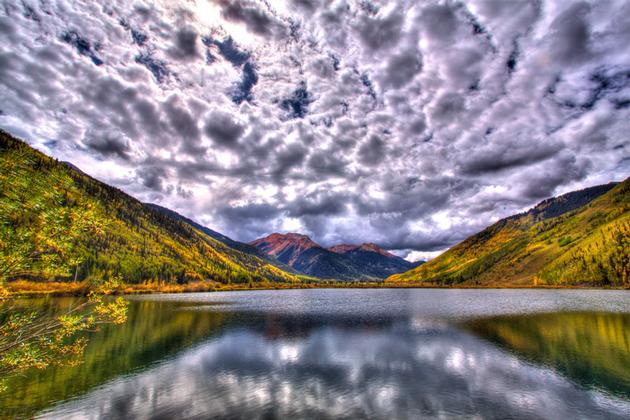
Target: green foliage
x,y
556,243
59,224
56,220
602,258
153,330
32,340
485,262
564,241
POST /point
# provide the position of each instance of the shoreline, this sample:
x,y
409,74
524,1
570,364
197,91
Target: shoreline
x,y
24,289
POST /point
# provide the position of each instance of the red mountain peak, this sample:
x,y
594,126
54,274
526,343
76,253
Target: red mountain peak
x,y
343,248
277,243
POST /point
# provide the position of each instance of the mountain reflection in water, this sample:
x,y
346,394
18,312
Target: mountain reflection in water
x,y
591,348
288,366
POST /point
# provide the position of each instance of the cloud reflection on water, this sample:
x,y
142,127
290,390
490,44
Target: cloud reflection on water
x,y
287,366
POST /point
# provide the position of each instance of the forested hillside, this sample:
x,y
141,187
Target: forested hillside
x,y
580,238
239,246
58,223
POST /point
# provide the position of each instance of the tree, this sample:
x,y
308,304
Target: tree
x,y
41,234
32,340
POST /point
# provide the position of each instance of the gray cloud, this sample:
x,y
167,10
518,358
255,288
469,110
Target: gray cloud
x,y
493,158
377,32
402,68
108,145
183,124
223,128
289,157
439,22
153,178
185,44
252,15
325,164
571,34
320,203
372,151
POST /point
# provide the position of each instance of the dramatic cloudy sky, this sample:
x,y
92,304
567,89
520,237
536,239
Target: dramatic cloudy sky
x,y
406,123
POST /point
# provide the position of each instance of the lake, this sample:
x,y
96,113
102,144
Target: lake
x,y
347,353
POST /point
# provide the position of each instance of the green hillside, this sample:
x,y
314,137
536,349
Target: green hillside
x,y
57,223
578,239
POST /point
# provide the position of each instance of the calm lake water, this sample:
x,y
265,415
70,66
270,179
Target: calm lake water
x,y
380,353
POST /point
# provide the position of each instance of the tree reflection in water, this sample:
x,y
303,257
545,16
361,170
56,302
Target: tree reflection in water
x,y
289,366
591,348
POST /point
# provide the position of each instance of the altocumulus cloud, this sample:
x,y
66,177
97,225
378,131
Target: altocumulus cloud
x,y
409,124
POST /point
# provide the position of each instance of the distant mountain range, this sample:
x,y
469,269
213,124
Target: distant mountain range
x,y
580,238
345,262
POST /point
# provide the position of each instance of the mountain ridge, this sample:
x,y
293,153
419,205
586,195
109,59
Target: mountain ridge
x,y
366,246
240,246
61,224
581,238
344,261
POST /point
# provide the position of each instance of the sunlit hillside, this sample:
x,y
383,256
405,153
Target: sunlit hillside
x,y
581,238
60,224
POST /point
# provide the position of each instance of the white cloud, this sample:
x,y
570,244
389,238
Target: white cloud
x,y
414,256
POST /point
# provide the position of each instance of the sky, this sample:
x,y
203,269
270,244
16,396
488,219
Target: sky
x,y
410,124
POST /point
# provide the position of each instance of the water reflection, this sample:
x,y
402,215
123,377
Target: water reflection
x,y
153,331
347,353
288,365
593,349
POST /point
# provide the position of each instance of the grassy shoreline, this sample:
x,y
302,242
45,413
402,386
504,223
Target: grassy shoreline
x,y
36,289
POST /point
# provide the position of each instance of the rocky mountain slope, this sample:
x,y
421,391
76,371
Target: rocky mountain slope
x,y
344,262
